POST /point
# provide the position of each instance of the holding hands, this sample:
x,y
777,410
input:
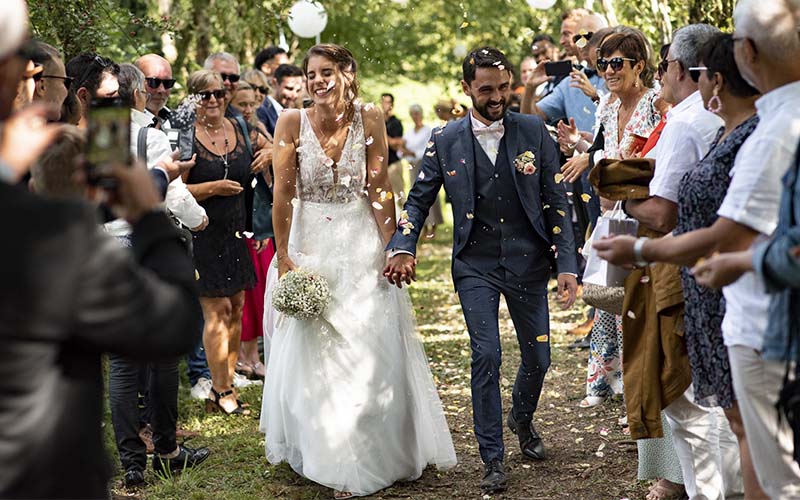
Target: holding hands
x,y
401,268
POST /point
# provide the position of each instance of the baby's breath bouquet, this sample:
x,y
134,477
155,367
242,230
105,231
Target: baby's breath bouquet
x,y
301,294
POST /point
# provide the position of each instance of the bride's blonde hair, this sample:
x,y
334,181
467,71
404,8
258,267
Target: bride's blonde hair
x,y
344,60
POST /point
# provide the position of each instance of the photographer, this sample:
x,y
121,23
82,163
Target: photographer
x,y
68,294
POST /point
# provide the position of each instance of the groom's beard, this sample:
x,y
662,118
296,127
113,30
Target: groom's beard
x,y
483,110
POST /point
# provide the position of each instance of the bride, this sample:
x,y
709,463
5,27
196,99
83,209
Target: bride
x,y
349,400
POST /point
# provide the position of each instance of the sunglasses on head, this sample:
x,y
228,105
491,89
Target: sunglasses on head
x,y
694,72
206,94
233,78
585,36
154,83
616,63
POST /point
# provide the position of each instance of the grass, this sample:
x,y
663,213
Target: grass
x,y
586,459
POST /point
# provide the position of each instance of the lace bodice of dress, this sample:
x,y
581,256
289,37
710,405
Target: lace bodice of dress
x,y
316,180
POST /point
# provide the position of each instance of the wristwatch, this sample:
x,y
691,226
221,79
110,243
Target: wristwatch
x,y
639,259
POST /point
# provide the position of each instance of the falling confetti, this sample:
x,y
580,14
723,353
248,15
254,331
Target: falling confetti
x,y
556,230
497,63
585,197
421,176
561,213
380,158
388,220
196,275
470,215
451,173
462,161
472,60
339,118
501,67
464,25
281,143
631,315
238,235
559,178
545,207
253,183
429,145
369,140
430,154
645,279
377,206
248,234
406,231
369,106
328,162
542,338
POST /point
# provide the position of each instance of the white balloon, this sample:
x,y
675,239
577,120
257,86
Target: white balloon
x,y
307,19
541,4
460,50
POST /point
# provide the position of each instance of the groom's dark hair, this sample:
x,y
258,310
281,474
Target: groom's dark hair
x,y
484,57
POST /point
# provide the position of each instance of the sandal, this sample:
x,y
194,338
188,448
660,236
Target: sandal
x,y
213,405
590,401
259,370
341,495
664,489
245,369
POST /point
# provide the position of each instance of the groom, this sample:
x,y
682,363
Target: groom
x,y
500,170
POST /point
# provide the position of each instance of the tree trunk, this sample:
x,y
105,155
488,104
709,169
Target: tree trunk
x,y
611,12
168,47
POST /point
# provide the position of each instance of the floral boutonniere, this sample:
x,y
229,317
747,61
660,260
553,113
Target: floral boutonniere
x,y
524,163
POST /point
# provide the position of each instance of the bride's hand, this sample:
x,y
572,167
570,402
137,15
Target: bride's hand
x,y
401,268
285,264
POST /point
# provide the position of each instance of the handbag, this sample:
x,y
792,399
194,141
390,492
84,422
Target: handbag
x,y
603,283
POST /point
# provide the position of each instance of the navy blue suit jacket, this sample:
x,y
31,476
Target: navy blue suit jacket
x,y
449,161
268,115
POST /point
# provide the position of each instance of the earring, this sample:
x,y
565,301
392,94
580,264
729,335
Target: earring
x,y
715,103
636,83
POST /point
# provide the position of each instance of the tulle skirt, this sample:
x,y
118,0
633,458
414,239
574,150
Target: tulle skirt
x,y
349,400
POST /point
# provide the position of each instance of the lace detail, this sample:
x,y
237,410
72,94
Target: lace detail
x,y
316,181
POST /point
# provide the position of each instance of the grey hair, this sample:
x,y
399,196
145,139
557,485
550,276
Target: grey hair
x,y
687,41
130,78
415,108
220,56
772,26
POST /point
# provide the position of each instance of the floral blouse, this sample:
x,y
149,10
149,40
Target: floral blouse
x,y
643,121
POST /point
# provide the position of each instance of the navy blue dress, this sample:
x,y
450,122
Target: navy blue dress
x,y
700,195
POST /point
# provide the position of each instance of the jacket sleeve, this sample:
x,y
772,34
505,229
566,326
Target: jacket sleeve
x,y
420,199
182,204
555,208
143,305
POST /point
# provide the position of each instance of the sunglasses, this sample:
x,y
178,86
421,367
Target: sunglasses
x,y
66,79
96,61
694,72
206,94
263,90
233,78
616,63
585,36
154,83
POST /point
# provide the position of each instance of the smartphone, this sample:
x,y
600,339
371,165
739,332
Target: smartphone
x,y
109,140
558,68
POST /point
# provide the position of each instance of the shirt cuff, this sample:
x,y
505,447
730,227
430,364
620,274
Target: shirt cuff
x,y
395,251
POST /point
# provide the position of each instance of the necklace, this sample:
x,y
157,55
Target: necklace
x,y
213,143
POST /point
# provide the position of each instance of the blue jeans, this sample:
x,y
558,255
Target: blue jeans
x,y
196,364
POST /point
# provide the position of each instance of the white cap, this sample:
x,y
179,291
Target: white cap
x,y
13,25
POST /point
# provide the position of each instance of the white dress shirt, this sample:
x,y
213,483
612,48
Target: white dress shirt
x,y
417,142
275,104
490,139
753,199
685,140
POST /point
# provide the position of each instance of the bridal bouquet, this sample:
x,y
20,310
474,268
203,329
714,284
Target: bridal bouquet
x,y
301,294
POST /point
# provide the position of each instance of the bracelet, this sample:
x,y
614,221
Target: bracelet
x,y
639,259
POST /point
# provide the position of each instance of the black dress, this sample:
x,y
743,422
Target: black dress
x,y
220,250
700,195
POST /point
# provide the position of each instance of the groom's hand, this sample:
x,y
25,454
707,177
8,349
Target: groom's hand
x,y
402,267
567,290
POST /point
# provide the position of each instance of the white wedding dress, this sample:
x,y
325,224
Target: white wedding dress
x,y
349,400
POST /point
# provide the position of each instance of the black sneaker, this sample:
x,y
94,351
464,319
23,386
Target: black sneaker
x,y
133,478
186,459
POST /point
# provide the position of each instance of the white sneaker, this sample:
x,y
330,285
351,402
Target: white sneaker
x,y
202,389
240,381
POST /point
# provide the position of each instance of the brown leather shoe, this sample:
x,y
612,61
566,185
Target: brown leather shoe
x,y
146,435
583,329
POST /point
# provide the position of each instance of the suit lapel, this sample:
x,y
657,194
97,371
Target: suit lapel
x,y
467,153
511,137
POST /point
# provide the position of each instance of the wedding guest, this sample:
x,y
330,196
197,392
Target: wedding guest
x,y
654,295
244,99
220,252
287,82
543,48
700,196
52,84
159,83
766,48
228,68
570,26
268,60
414,145
93,77
260,83
394,131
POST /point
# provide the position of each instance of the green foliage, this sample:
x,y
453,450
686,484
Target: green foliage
x,y
390,38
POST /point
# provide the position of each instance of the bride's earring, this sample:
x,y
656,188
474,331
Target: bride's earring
x,y
715,103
